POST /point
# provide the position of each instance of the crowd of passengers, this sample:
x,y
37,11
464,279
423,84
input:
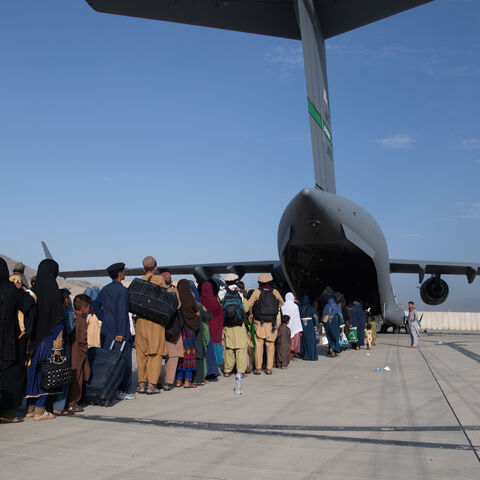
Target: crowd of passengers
x,y
220,329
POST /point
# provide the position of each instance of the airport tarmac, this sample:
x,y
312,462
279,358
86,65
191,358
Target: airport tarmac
x,y
330,419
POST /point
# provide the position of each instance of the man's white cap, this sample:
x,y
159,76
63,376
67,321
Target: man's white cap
x,y
230,277
265,278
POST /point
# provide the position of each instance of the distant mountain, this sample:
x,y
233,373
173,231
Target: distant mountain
x,y
75,286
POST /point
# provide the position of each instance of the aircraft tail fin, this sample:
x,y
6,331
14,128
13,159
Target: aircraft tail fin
x,y
46,251
314,57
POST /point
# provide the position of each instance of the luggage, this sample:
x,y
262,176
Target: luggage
x,y
232,310
265,308
151,301
56,373
173,328
108,367
352,335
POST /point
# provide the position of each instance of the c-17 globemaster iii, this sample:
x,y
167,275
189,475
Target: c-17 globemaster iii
x,y
323,238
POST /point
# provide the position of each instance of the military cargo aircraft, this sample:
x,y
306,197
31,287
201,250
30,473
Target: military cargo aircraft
x,y
323,238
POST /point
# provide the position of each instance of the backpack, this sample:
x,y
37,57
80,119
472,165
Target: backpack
x,y
232,309
265,308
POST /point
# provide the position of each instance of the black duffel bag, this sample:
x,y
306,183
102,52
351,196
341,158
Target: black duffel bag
x,y
151,301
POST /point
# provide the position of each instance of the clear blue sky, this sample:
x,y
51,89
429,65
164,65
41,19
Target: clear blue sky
x,y
123,137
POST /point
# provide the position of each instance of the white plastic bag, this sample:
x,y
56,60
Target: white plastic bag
x,y
132,325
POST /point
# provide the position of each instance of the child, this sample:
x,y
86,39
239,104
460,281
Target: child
x,y
79,352
282,344
368,336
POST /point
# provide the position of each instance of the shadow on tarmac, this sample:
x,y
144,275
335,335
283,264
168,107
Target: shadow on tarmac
x,y
289,431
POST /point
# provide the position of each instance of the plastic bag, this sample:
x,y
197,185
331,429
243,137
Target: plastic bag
x,y
343,341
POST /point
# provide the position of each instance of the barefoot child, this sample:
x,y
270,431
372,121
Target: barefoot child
x,y
79,352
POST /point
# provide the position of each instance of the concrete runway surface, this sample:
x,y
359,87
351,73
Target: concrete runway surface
x,y
330,419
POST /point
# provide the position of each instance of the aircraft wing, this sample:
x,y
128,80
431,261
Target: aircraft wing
x,y
201,272
470,270
277,18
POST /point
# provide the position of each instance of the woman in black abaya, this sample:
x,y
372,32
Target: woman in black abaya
x,y
12,356
47,337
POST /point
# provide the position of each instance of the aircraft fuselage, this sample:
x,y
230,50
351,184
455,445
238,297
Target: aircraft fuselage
x,y
327,240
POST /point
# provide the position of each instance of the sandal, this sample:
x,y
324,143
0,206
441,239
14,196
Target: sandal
x,y
192,385
75,408
44,416
168,386
268,372
200,384
152,390
257,372
11,420
141,388
227,374
179,384
62,413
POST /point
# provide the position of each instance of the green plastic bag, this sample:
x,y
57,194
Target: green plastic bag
x,y
352,335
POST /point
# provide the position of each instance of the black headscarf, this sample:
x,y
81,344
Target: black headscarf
x,y
189,306
7,326
49,301
3,271
326,295
11,299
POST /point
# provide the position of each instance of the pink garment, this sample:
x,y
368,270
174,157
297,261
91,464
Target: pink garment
x,y
295,345
215,325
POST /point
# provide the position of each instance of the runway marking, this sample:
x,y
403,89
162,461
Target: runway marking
x,y
283,431
474,448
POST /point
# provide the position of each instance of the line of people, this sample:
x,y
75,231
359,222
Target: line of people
x,y
220,328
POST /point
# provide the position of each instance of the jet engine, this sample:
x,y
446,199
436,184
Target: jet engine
x,y
434,291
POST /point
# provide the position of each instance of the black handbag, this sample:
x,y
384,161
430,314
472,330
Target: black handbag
x,y
174,327
56,372
151,301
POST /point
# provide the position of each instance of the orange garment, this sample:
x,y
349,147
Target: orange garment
x,y
151,346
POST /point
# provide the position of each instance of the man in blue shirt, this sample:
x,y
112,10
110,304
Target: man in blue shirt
x,y
111,307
